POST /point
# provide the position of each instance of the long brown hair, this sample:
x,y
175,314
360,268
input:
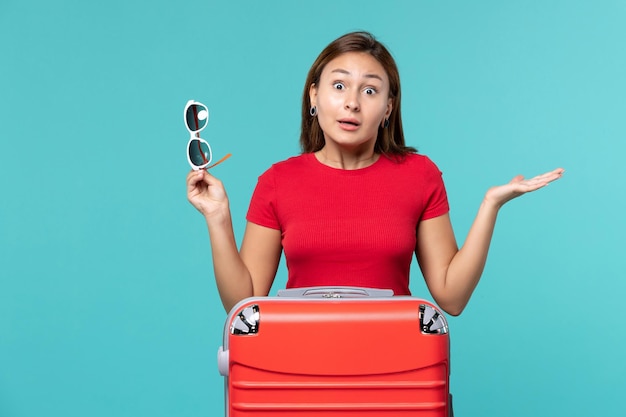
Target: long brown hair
x,y
390,140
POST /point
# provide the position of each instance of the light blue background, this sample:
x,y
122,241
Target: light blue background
x,y
107,304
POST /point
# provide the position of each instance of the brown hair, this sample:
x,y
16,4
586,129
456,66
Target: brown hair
x,y
390,140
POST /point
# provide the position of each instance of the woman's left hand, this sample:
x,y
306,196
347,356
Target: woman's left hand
x,y
519,185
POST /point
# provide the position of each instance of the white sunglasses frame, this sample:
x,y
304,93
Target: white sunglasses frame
x,y
195,135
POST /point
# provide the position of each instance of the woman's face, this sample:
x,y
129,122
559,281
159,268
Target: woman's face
x,y
352,100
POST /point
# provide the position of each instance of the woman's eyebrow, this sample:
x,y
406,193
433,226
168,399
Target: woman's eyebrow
x,y
343,71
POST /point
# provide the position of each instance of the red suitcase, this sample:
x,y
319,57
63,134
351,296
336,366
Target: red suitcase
x,y
335,352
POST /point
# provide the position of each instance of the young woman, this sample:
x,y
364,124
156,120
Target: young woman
x,y
355,206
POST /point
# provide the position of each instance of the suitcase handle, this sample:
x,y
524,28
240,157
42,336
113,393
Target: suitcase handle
x,y
334,292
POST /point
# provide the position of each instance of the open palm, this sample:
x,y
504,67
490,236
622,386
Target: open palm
x,y
518,186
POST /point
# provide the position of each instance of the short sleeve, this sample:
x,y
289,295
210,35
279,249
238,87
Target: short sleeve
x,y
262,209
436,203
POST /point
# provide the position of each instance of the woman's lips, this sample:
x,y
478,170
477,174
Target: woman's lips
x,y
349,124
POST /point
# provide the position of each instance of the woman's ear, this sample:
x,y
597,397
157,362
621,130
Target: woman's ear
x,y
313,95
389,108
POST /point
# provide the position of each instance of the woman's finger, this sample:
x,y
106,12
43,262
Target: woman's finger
x,y
552,175
193,180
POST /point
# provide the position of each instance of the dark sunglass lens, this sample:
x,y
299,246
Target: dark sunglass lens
x,y
197,117
199,152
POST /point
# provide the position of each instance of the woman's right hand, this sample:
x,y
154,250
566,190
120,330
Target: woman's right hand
x,y
206,193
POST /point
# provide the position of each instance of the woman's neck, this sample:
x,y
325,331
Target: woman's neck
x,y
346,160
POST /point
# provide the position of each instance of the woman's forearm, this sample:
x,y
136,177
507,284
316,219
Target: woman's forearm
x,y
468,263
231,274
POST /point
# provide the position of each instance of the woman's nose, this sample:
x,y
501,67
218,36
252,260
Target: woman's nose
x,y
352,102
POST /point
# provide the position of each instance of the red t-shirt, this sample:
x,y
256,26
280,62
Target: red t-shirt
x,y
349,227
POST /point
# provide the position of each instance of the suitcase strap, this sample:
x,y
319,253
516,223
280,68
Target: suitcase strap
x,y
334,292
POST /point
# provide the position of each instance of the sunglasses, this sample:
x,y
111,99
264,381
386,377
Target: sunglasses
x,y
199,152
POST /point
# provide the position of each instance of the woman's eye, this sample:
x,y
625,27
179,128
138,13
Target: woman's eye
x,y
339,86
370,91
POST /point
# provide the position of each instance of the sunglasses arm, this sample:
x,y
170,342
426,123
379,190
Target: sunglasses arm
x,y
225,157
